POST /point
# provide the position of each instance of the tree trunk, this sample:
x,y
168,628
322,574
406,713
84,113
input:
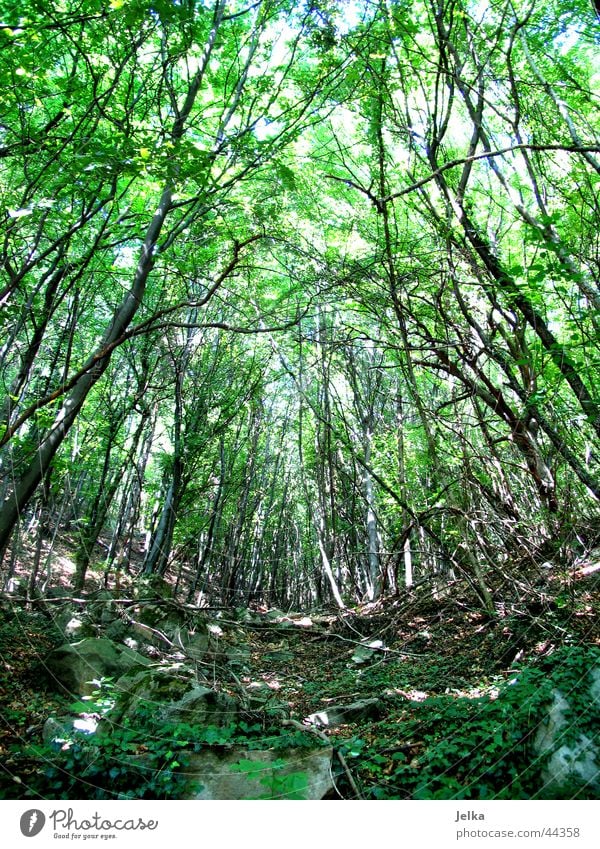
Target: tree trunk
x,y
24,487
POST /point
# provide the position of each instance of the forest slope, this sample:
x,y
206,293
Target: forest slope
x,y
407,690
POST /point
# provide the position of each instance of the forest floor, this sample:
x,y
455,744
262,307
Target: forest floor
x,y
428,647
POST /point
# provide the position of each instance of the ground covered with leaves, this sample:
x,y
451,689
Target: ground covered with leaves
x,y
441,731
449,692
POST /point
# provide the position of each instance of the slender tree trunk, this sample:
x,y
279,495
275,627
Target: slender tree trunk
x,y
215,516
24,487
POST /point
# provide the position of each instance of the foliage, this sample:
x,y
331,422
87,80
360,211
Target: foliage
x,y
148,760
478,748
123,766
299,301
291,785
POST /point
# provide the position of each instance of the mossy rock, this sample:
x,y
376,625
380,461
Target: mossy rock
x,y
75,666
169,694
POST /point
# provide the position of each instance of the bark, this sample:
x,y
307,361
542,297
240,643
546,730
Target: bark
x,y
215,518
160,548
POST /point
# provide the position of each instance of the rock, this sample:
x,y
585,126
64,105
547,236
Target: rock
x,y
365,651
146,635
64,728
240,774
108,617
156,627
595,688
194,645
77,629
54,730
73,666
568,751
143,689
202,706
72,623
345,714
590,573
173,621
17,586
152,615
103,609
173,695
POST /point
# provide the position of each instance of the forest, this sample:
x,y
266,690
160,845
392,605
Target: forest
x,y
299,408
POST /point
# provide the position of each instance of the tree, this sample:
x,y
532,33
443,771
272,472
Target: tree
x,y
176,119
305,296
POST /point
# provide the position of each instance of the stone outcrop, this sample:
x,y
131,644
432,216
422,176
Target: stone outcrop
x,y
567,745
171,694
75,667
241,774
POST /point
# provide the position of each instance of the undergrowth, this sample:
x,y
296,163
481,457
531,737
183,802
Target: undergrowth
x,y
147,760
449,747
